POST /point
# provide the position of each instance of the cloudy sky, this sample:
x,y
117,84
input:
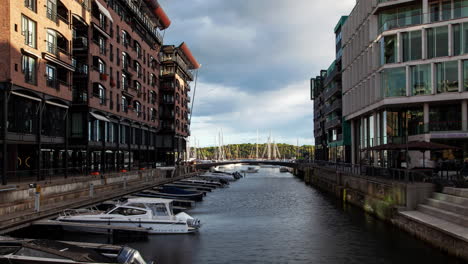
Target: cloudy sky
x,y
257,58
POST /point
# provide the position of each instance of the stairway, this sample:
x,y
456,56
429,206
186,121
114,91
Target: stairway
x,y
446,211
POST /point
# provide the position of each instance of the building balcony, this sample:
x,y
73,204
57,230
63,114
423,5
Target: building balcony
x,y
80,43
331,91
336,105
180,63
141,18
332,123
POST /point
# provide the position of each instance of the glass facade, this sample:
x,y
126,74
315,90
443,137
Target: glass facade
x,y
460,38
400,17
412,43
460,8
394,82
447,76
421,79
465,76
389,46
445,117
437,42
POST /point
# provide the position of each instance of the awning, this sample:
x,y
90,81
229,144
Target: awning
x,y
104,11
99,117
58,62
27,96
56,104
100,30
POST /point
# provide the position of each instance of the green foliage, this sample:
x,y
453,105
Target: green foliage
x,y
248,151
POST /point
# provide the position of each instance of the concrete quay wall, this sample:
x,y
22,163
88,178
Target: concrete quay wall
x,y
17,203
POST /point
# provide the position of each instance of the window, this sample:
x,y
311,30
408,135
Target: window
x,y
138,69
434,11
138,49
51,76
394,82
447,76
102,21
124,82
137,106
125,38
446,9
125,60
389,49
31,4
421,79
28,30
412,45
460,8
437,42
153,80
51,10
52,42
460,39
445,117
102,45
465,76
400,17
138,87
100,92
124,104
101,66
28,67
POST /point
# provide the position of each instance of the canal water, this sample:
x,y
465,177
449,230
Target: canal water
x,y
273,217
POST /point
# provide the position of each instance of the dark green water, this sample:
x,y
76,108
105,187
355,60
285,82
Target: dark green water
x,y
272,217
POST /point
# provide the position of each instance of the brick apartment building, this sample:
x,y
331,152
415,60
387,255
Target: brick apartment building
x,y
79,82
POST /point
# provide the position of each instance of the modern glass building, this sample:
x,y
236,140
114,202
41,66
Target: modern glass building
x,y
331,131
405,78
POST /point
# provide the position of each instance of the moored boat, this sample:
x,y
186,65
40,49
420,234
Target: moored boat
x,y
38,251
250,170
155,215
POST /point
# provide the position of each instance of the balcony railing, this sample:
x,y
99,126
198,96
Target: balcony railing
x,y
180,62
444,126
150,27
337,104
332,123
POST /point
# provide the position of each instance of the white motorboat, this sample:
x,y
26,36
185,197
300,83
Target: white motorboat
x,y
250,170
284,169
154,214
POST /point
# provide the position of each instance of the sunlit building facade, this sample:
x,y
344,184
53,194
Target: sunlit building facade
x,y
79,86
177,72
405,78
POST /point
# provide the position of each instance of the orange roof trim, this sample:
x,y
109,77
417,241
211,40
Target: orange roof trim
x,y
164,20
189,56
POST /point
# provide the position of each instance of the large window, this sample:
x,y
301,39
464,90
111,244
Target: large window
x,y
51,10
394,82
22,115
100,92
52,42
460,38
28,30
51,76
445,117
101,66
389,49
447,76
465,76
412,45
31,4
28,67
437,42
421,79
460,8
400,17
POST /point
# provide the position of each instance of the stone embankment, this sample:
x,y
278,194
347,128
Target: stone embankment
x,y
438,218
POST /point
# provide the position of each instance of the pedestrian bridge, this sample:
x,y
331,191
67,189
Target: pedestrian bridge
x,y
289,164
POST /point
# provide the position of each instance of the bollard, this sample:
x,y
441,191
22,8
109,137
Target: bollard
x,y
91,190
125,183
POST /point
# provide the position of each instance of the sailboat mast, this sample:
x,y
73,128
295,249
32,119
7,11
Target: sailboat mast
x,y
256,153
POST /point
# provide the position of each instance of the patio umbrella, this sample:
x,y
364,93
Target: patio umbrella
x,y
427,146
